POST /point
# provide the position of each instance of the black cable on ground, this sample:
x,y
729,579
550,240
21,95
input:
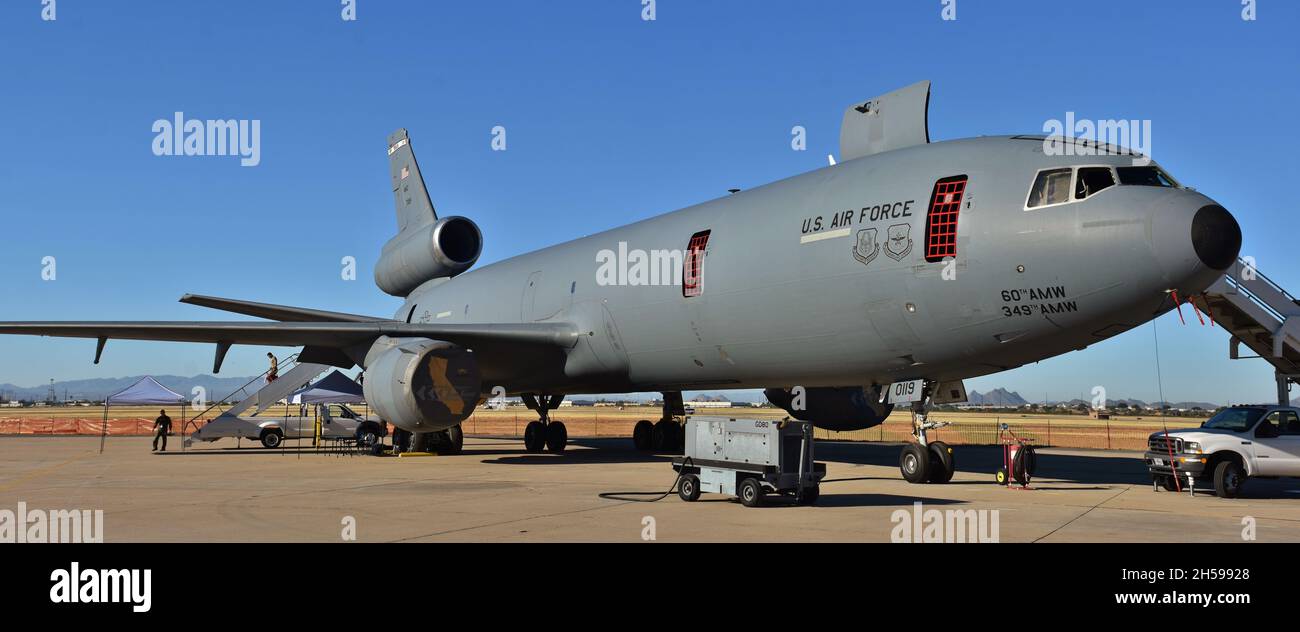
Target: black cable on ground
x,y
625,496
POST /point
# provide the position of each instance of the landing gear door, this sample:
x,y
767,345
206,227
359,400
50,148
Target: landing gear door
x,y
953,392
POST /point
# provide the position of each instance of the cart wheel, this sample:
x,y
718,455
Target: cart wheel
x,y
810,495
942,462
689,489
1001,476
914,462
750,492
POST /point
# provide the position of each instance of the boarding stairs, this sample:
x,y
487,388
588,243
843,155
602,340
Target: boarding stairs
x,y
1262,316
267,394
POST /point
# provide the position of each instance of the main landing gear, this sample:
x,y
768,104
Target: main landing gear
x,y
545,434
666,435
926,461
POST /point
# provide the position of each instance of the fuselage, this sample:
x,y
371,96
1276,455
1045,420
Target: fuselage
x,y
822,279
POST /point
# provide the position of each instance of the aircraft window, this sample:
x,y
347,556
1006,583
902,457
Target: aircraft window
x,y
941,223
1149,176
1052,186
1092,180
693,264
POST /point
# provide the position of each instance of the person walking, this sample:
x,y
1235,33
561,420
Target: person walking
x,y
162,426
275,368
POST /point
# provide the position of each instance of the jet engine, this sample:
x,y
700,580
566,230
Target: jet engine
x,y
444,248
833,408
422,385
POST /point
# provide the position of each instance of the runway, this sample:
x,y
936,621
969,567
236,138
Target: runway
x,y
496,492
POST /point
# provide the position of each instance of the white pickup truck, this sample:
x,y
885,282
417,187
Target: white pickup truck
x,y
337,421
1235,444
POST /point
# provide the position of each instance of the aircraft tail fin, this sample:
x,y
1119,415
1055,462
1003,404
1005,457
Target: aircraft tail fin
x,y
414,208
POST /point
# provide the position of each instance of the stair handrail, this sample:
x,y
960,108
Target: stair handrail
x,y
288,360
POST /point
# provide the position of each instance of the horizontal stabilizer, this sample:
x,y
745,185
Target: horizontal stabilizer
x,y
892,121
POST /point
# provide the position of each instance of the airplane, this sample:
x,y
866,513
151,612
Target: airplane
x,y
907,263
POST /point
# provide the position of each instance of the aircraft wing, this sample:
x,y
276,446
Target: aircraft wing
x,y
300,334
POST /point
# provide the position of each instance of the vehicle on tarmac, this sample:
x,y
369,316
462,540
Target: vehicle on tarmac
x,y
337,421
1236,444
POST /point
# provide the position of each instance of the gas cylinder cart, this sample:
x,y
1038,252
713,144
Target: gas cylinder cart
x,y
1018,459
748,459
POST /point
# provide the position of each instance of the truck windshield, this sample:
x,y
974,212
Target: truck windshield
x,y
1234,419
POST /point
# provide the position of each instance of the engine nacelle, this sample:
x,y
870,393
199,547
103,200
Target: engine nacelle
x,y
443,249
833,408
422,385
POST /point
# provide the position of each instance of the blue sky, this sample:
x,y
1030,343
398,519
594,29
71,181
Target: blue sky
x,y
610,119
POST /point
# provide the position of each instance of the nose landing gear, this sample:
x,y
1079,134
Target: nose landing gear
x,y
544,434
926,461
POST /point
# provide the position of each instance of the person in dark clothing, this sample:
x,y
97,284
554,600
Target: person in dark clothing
x,y
162,426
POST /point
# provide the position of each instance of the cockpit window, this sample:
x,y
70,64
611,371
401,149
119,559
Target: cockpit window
x,y
1149,176
1052,186
1091,180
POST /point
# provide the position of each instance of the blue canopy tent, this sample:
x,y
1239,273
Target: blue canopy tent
x,y
335,388
145,392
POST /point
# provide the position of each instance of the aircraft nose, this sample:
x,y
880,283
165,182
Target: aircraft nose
x,y
1216,236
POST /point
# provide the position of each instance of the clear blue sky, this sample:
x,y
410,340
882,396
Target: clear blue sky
x,y
610,119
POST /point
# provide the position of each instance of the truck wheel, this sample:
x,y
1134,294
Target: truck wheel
x,y
942,462
914,462
1167,482
689,489
1228,479
643,435
367,435
272,438
810,495
750,492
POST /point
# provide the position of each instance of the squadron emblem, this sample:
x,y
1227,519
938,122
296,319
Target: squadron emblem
x,y
866,249
899,242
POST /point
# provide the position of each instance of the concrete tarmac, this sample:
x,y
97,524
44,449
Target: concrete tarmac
x,y
496,492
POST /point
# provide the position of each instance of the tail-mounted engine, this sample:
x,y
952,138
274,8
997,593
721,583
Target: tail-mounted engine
x,y
444,248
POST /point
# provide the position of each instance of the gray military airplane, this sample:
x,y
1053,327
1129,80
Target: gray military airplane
x,y
908,263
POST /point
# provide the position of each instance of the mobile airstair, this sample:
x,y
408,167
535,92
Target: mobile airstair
x,y
265,396
1262,316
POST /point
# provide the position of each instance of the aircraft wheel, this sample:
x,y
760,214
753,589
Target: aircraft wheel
x,y
557,436
689,489
643,435
914,462
661,438
454,441
534,436
942,462
750,492
272,438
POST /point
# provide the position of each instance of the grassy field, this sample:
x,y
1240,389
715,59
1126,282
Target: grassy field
x,y
1075,431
